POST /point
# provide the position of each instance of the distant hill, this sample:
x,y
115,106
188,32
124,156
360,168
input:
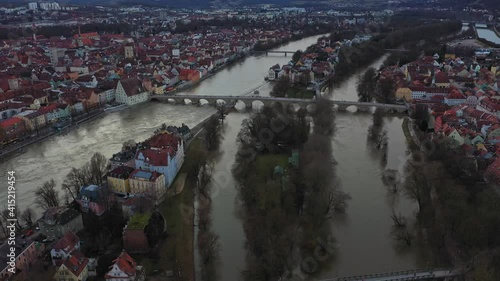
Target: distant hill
x,y
487,4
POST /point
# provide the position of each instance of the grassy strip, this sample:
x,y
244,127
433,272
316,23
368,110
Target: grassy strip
x,y
177,251
409,139
299,93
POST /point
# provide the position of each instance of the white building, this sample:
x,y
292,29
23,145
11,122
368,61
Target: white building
x,y
123,269
33,6
130,91
48,6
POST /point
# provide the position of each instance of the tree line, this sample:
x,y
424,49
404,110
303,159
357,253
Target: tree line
x,y
353,58
65,30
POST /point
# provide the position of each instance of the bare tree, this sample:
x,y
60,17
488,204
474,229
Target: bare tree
x,y
6,215
398,219
28,216
75,179
221,110
128,144
404,237
212,133
98,168
209,248
3,226
416,187
204,180
47,196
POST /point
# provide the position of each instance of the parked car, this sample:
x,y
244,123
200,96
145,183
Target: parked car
x,y
29,232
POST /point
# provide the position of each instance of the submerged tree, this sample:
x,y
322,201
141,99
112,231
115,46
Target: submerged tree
x,y
367,85
417,188
213,135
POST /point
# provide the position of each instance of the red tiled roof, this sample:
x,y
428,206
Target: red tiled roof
x,y
125,263
164,140
11,122
155,157
67,242
76,262
132,86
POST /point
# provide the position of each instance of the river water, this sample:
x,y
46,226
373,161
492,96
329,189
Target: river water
x,y
365,243
488,34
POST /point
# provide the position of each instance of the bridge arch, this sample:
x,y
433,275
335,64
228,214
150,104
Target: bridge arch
x,y
256,104
352,108
203,102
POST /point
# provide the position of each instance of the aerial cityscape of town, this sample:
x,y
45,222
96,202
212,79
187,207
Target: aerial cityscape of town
x,y
250,140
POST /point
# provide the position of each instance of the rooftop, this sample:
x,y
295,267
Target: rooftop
x,y
139,221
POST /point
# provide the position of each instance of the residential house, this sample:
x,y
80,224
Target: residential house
x,y
58,220
192,75
55,112
12,128
130,91
490,106
26,253
142,181
90,199
124,268
63,247
34,120
73,268
9,109
118,178
455,98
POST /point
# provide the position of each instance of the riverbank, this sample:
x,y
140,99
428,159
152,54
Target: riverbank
x,y
240,59
411,138
9,152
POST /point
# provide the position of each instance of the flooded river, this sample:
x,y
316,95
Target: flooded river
x,y
365,242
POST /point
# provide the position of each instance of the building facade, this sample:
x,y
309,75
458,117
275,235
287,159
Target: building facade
x,y
57,221
130,91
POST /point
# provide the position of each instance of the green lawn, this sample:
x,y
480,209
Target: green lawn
x,y
265,163
139,221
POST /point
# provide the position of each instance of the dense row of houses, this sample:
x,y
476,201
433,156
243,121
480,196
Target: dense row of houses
x,y
46,81
315,64
462,97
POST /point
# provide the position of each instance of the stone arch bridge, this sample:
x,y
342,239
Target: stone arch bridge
x,y
268,101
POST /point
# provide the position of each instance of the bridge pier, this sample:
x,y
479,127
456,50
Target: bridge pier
x,y
363,108
342,108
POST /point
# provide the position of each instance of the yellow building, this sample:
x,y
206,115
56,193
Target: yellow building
x,y
118,179
142,181
449,56
74,268
403,93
